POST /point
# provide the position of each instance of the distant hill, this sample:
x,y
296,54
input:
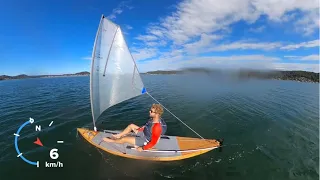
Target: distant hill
x,y
163,72
83,73
24,76
302,76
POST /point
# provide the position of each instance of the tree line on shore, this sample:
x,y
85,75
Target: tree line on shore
x,y
303,76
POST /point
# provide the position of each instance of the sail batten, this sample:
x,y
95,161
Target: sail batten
x,y
111,79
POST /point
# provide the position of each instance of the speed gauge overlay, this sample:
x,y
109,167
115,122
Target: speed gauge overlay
x,y
54,155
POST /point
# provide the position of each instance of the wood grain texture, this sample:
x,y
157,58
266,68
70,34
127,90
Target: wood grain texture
x,y
185,143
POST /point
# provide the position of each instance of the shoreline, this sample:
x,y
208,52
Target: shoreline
x,y
24,76
299,76
62,76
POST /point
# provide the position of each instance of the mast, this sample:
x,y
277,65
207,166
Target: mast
x,y
91,72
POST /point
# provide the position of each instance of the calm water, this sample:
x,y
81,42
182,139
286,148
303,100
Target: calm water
x,y
271,127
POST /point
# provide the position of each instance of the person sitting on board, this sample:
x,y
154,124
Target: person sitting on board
x,y
147,135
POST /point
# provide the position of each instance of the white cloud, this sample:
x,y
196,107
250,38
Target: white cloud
x,y
155,30
170,55
276,10
197,23
118,10
146,53
231,62
156,43
128,27
177,61
308,44
151,43
244,45
87,58
173,53
309,23
289,17
313,57
194,17
164,63
291,56
205,44
200,46
242,58
198,26
296,67
247,45
146,38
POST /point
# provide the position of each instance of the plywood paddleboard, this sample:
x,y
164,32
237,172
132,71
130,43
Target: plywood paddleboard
x,y
169,148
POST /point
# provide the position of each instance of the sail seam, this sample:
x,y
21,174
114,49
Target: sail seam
x,y
105,67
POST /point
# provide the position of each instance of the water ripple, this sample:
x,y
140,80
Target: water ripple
x,y
275,123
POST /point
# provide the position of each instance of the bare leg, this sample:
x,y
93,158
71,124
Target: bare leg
x,y
128,129
130,140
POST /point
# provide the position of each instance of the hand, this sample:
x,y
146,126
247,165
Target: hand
x,y
139,149
140,128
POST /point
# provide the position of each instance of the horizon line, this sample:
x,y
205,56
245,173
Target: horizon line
x,y
61,74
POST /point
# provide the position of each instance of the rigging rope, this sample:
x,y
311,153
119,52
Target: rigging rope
x,y
176,116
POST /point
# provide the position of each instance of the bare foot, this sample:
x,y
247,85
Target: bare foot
x,y
117,136
108,140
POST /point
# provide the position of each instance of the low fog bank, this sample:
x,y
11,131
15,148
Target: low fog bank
x,y
242,74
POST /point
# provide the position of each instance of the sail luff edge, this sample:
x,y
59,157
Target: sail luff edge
x,y
91,73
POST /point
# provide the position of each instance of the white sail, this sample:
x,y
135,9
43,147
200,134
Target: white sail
x,y
114,75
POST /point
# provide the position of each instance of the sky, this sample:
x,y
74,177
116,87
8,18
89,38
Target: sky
x,y
56,37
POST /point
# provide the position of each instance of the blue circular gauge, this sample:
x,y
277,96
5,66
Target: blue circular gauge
x,y
53,152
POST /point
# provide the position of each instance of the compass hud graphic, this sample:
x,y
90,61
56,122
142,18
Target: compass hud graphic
x,y
39,150
54,155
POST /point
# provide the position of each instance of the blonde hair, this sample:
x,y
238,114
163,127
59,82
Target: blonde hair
x,y
157,108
